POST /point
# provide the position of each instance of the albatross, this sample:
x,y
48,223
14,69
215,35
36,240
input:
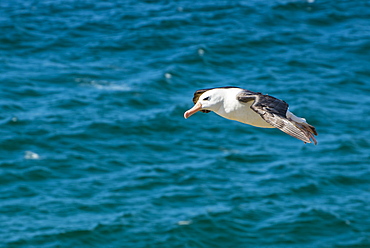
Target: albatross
x,y
252,108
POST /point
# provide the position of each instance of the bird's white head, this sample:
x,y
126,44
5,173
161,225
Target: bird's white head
x,y
206,101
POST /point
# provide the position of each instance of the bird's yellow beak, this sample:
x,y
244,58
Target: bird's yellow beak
x,y
193,110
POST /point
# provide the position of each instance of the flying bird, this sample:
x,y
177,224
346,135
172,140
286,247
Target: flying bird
x,y
252,108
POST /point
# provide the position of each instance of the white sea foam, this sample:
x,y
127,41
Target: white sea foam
x,y
201,52
102,84
31,155
184,222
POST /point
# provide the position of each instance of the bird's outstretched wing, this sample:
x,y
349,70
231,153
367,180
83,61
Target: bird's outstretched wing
x,y
273,111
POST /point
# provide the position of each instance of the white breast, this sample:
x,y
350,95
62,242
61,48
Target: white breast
x,y
232,109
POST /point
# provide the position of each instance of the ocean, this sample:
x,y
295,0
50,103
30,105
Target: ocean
x,y
95,151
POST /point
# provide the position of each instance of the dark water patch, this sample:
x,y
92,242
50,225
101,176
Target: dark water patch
x,y
292,7
178,199
247,158
20,191
309,188
73,237
9,177
349,180
11,107
358,242
37,174
305,222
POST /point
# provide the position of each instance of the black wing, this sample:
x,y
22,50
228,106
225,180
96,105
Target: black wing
x,y
273,111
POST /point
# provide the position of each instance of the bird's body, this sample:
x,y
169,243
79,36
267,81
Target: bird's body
x,y
252,108
238,111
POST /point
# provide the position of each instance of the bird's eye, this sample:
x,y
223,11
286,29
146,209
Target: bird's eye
x,y
206,99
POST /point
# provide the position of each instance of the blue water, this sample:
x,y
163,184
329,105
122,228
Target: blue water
x,y
95,151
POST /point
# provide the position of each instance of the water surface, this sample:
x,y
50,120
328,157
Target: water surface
x,y
95,151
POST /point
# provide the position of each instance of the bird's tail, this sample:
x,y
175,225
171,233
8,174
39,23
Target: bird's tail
x,y
307,129
301,124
